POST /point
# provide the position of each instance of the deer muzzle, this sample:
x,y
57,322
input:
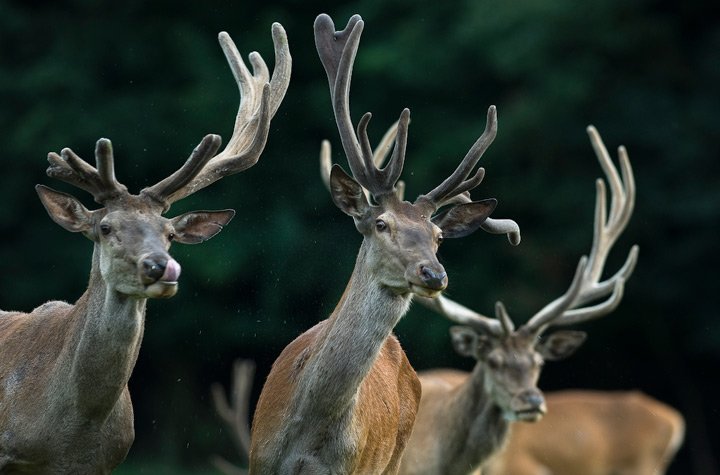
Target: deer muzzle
x,y
528,406
160,274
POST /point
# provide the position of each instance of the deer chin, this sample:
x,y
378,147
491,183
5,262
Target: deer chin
x,y
423,291
161,289
527,415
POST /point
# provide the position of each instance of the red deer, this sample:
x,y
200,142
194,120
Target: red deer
x,y
64,401
464,417
342,397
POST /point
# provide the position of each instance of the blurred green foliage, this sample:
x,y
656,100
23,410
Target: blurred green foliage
x,y
150,76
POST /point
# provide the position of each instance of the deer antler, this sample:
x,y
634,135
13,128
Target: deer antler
x,y
490,225
337,50
99,182
568,308
260,99
586,286
235,414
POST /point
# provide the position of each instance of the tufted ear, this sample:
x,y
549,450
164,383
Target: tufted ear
x,y
65,210
199,226
560,344
347,194
464,219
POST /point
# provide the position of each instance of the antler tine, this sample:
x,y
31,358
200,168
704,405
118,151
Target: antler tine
x,y
458,183
337,51
99,182
608,227
260,97
379,155
606,230
554,310
460,314
235,414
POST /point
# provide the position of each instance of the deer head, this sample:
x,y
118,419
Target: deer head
x,y
131,235
402,237
511,358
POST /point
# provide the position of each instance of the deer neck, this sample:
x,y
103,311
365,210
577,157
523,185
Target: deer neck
x,y
476,424
354,335
108,333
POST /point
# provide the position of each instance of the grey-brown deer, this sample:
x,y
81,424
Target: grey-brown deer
x,y
593,433
464,417
342,397
64,401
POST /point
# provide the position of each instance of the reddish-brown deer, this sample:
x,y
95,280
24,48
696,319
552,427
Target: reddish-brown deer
x,y
593,433
64,402
464,417
342,397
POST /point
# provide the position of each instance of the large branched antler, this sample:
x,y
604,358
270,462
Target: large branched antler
x,y
100,182
490,225
586,286
260,97
337,50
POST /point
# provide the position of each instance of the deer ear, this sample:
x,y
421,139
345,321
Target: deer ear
x,y
347,194
464,219
464,340
561,344
199,226
65,210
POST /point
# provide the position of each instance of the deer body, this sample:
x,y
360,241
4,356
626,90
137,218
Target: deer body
x,y
69,388
593,433
64,401
341,371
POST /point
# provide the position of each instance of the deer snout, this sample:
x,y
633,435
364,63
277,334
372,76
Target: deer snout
x,y
159,267
529,405
433,277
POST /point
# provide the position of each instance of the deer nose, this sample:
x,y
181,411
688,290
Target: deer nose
x,y
435,279
153,266
532,398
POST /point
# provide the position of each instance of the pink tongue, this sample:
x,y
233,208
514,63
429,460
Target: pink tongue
x,y
172,271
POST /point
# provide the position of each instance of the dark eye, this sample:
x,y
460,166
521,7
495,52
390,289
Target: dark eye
x,y
105,229
380,225
440,239
171,236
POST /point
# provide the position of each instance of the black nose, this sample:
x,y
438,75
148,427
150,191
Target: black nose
x,y
433,279
154,266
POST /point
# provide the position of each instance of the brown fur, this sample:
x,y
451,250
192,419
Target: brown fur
x,y
594,433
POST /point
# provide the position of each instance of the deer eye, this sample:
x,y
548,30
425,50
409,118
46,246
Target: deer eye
x,y
105,229
440,239
381,225
171,236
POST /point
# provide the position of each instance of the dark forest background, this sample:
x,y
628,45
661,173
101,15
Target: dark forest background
x,y
151,77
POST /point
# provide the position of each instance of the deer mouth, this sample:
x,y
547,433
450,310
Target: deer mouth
x,y
166,286
424,291
532,414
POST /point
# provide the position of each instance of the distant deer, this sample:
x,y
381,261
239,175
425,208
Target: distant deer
x,y
464,417
342,397
593,433
64,401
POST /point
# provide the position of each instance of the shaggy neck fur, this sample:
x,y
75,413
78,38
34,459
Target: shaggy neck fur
x,y
362,321
106,344
478,427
